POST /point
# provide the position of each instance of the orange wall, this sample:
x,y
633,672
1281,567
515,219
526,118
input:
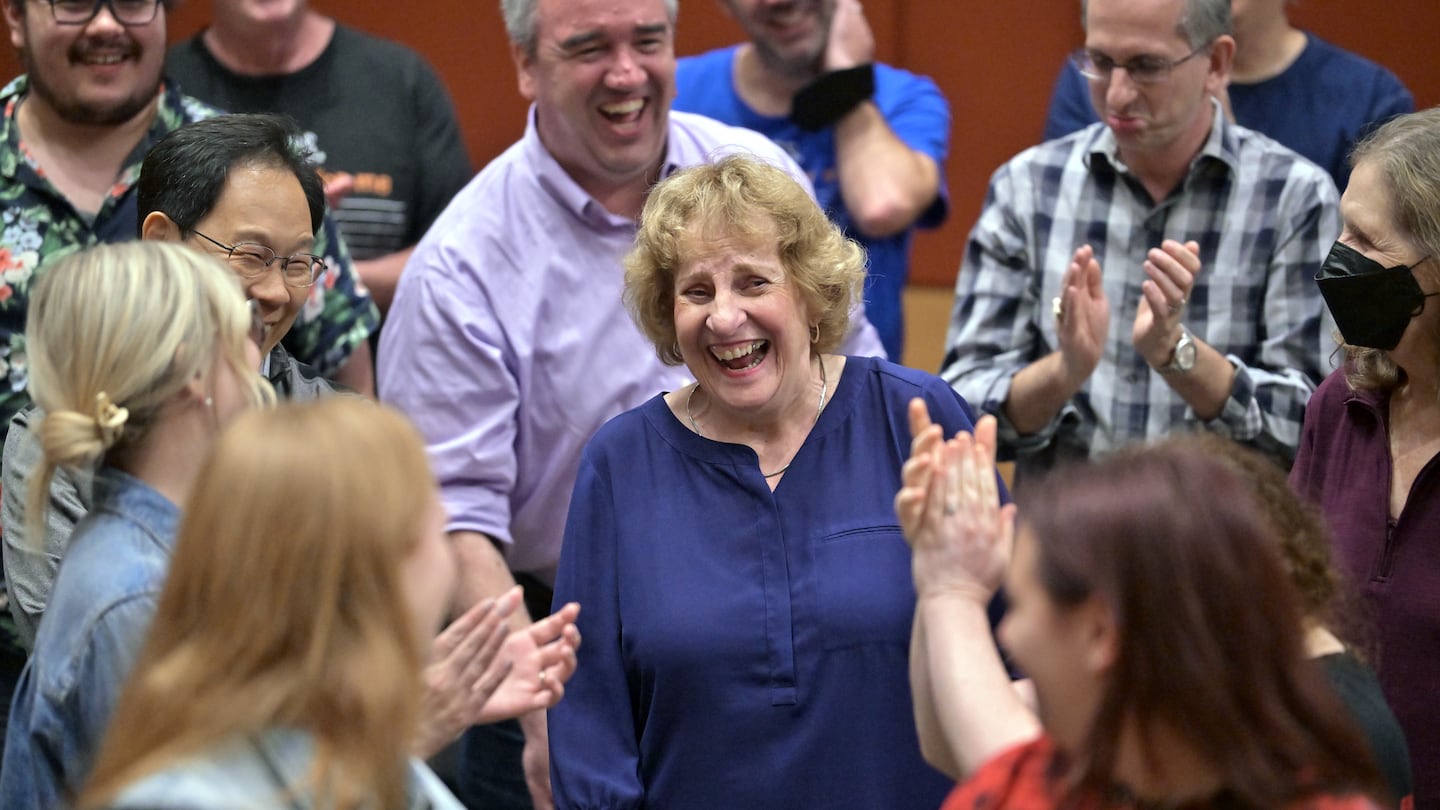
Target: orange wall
x,y
995,61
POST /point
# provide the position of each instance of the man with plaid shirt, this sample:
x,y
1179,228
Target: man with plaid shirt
x,y
1208,234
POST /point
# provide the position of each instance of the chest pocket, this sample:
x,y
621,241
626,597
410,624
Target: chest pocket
x,y
864,590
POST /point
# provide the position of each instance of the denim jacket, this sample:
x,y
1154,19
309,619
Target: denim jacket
x,y
30,567
99,612
255,773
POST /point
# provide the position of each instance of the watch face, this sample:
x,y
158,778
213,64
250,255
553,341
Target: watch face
x,y
1185,355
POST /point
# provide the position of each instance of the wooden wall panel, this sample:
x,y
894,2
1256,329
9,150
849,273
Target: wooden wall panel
x,y
995,60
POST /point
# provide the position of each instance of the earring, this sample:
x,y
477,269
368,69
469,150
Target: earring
x,y
814,333
209,403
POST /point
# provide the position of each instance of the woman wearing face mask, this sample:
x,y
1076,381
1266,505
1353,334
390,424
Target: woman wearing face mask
x,y
1368,453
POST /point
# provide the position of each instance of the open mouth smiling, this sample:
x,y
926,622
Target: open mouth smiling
x,y
743,356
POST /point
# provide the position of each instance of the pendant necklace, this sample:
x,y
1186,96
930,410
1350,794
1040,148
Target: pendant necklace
x,y
824,389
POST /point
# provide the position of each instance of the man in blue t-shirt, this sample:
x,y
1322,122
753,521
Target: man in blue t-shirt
x,y
1286,83
871,137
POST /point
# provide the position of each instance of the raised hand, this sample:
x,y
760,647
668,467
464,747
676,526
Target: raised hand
x,y
1171,270
851,43
1082,323
540,658
949,508
462,675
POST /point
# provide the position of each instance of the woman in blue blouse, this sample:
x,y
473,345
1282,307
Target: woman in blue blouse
x,y
747,589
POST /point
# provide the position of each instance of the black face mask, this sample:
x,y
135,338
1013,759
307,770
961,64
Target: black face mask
x,y
1372,304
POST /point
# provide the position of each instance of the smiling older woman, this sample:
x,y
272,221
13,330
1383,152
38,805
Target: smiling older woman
x,y
747,588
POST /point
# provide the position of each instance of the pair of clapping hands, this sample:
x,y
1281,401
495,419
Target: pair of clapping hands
x,y
481,671
949,508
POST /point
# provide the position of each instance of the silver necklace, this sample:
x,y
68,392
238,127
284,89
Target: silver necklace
x,y
824,389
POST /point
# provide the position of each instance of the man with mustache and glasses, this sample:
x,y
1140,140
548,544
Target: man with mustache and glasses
x,y
1205,314
508,343
871,137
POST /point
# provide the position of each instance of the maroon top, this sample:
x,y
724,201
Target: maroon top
x,y
1344,465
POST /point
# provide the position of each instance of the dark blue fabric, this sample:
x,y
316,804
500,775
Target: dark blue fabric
x,y
915,110
491,774
1319,106
743,648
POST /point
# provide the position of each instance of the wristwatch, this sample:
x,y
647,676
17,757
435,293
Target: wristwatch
x,y
1183,358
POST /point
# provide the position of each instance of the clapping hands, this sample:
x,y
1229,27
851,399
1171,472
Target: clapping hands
x,y
949,509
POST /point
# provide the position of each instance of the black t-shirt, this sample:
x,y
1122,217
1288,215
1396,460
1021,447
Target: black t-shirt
x,y
1360,692
376,110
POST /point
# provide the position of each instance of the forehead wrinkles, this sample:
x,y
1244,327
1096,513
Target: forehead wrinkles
x,y
566,21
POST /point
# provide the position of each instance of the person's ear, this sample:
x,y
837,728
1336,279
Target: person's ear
x,y
15,18
1222,59
524,70
1100,634
159,227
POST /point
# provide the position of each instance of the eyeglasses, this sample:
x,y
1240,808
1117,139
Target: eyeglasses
x,y
125,12
1146,69
251,260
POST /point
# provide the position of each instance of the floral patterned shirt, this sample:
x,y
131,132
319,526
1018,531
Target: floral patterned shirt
x,y
39,225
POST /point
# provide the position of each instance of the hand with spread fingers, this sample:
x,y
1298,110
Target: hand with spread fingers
x,y
540,658
460,677
1171,270
851,42
1082,315
950,512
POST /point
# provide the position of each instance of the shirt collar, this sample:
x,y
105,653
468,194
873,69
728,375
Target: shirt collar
x,y
124,494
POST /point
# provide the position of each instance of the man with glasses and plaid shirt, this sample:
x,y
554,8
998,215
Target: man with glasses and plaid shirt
x,y
1304,92
1205,313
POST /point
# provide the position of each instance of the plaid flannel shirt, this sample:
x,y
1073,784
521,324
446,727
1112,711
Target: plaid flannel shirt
x,y
1264,218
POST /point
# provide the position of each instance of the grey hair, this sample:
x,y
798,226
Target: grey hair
x,y
1406,153
523,29
1201,22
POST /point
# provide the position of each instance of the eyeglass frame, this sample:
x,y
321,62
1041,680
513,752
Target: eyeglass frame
x,y
109,4
317,263
1082,57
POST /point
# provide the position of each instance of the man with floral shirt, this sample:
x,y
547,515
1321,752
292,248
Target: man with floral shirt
x,y
73,133
74,130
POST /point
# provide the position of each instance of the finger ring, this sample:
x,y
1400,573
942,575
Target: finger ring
x,y
542,679
1058,308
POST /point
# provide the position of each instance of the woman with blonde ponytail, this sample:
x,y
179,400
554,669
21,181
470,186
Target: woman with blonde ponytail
x,y
139,354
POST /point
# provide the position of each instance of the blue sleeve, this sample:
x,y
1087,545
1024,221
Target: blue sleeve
x,y
1070,107
919,115
338,314
1391,99
594,751
66,705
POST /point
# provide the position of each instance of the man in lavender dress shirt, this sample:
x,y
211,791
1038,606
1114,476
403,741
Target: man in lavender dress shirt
x,y
508,343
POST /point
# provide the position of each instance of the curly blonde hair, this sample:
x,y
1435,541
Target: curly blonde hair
x,y
740,196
